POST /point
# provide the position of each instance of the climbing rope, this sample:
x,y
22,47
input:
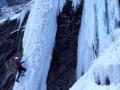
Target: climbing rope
x,y
19,38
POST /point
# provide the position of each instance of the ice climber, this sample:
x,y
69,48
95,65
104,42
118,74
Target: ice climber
x,y
21,70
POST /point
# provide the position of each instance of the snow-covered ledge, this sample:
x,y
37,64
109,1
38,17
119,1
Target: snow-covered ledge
x,y
104,74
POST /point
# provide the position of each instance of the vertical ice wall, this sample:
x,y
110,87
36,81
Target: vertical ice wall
x,y
98,21
38,44
86,38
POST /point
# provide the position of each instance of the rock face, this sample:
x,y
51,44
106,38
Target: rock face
x,y
62,72
16,2
8,48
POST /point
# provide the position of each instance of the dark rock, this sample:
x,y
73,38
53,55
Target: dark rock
x,y
8,49
16,2
62,74
10,46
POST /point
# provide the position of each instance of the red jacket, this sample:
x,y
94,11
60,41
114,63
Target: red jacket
x,y
18,64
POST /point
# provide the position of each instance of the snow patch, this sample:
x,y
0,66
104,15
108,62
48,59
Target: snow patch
x,y
14,12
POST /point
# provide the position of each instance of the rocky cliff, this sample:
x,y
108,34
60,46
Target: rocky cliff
x,y
16,2
10,46
8,49
64,58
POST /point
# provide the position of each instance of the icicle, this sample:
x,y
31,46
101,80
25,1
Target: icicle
x,y
76,3
26,9
86,38
22,16
61,4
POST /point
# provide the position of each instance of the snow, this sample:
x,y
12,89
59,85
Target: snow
x,y
14,12
106,66
15,16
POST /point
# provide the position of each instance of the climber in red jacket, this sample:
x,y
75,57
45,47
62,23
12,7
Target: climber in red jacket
x,y
19,67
